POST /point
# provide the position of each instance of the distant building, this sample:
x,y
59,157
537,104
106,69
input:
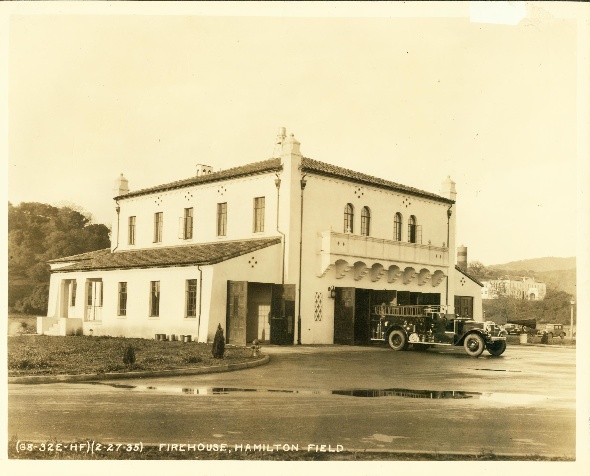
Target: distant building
x,y
520,288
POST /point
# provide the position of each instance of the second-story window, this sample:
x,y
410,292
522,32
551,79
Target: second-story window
x,y
131,231
222,219
258,214
365,221
348,218
414,231
158,225
397,227
187,224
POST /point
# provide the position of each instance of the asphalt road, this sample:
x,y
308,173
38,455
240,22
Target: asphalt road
x,y
350,398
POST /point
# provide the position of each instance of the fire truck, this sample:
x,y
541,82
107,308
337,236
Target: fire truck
x,y
425,326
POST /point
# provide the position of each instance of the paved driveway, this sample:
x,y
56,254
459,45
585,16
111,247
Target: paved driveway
x,y
355,398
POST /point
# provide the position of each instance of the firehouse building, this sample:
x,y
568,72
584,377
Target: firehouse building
x,y
287,250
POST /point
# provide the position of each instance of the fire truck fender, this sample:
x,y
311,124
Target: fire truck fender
x,y
392,328
470,331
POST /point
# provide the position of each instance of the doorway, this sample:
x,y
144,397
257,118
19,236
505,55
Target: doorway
x,y
353,308
260,311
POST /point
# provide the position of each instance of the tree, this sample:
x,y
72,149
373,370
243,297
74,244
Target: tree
x,y
218,349
37,233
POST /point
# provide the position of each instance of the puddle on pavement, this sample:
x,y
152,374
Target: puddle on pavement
x,y
503,398
500,370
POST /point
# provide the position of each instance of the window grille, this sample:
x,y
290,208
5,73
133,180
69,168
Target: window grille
x,y
259,214
222,219
414,231
131,232
186,225
365,221
158,225
191,298
397,227
348,218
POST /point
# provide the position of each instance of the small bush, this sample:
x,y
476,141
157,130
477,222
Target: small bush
x,y
129,356
193,359
218,349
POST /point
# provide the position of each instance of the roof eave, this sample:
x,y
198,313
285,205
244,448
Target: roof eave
x,y
200,181
417,193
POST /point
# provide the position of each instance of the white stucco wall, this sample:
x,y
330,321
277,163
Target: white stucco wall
x,y
171,320
467,287
324,203
238,193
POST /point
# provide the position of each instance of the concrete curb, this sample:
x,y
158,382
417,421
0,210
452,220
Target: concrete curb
x,y
38,379
554,346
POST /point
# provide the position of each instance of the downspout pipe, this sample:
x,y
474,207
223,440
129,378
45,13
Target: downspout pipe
x,y
118,210
200,300
449,214
303,184
278,185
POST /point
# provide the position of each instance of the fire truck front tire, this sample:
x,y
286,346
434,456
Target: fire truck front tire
x,y
473,345
496,348
397,339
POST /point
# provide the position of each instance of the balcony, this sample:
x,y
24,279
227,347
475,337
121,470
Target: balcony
x,y
364,255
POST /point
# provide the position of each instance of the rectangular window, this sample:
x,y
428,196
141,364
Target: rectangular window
x,y
191,298
73,295
187,224
154,298
222,219
122,308
259,214
131,232
158,225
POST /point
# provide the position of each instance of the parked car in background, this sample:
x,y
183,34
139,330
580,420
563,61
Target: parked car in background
x,y
513,329
552,330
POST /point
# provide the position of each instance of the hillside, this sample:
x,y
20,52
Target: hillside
x,y
557,273
561,280
539,265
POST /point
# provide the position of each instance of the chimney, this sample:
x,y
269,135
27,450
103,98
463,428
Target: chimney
x,y
281,136
462,257
291,146
204,169
121,186
447,189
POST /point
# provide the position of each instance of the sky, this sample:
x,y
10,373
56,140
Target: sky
x,y
412,99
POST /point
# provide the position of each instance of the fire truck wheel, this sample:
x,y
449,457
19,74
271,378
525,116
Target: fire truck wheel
x,y
397,339
474,345
496,348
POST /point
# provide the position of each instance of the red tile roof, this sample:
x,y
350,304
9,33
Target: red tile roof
x,y
265,166
187,255
322,168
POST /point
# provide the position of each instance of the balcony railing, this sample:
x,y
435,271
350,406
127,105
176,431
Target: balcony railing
x,y
351,248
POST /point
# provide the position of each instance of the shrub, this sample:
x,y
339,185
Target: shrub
x,y
218,349
193,359
129,356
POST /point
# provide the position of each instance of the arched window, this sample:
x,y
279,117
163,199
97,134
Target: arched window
x,y
365,221
348,218
413,231
397,227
